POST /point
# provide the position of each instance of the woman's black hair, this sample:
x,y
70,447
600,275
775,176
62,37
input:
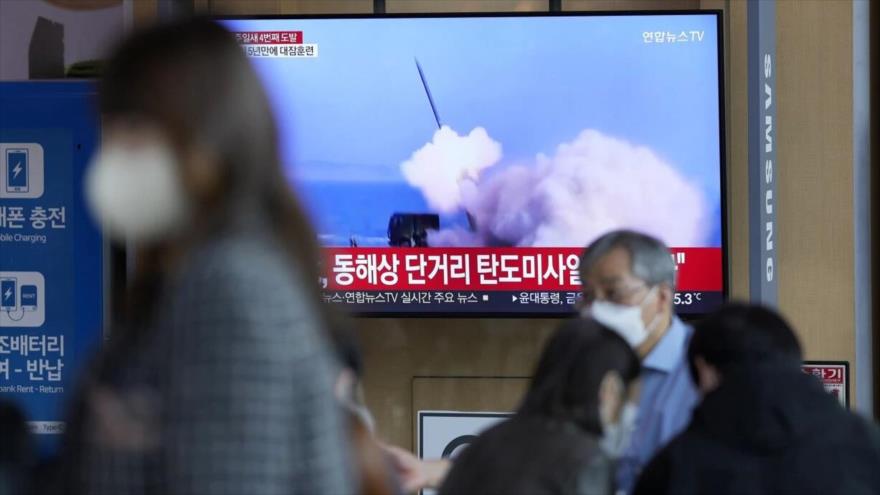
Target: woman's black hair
x,y
345,343
192,79
574,361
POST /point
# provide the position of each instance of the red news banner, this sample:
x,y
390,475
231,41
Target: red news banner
x,y
491,269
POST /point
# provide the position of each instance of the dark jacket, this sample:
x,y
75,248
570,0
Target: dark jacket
x,y
534,456
769,431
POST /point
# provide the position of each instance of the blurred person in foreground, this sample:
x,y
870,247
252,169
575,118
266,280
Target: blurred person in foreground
x,y
217,378
582,393
382,467
628,285
374,468
763,426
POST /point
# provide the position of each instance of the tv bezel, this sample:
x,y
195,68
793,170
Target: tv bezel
x,y
718,14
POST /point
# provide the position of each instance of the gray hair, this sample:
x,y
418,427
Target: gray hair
x,y
650,259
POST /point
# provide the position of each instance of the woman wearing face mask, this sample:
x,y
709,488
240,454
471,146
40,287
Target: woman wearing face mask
x,y
217,377
571,424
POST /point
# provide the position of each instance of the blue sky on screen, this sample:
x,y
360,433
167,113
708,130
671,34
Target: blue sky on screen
x,y
358,111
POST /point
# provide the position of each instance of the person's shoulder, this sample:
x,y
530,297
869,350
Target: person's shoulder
x,y
502,432
252,269
570,447
684,453
236,256
689,447
243,279
854,429
841,455
595,475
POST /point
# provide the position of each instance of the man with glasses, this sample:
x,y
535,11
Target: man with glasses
x,y
628,285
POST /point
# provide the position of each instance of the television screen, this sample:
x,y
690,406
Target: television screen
x,y
460,164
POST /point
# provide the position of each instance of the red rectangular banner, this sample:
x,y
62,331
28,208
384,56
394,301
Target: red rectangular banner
x,y
833,375
491,269
269,37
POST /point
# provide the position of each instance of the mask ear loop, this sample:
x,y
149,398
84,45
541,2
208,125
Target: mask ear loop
x,y
649,328
612,385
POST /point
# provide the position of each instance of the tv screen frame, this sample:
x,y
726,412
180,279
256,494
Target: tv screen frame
x,y
722,128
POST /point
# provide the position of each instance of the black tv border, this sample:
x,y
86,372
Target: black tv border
x,y
722,127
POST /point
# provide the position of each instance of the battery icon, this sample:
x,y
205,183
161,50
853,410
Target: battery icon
x,y
29,297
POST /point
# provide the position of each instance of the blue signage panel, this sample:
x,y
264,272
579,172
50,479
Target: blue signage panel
x,y
51,268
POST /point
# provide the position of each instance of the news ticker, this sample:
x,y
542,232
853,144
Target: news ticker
x,y
476,302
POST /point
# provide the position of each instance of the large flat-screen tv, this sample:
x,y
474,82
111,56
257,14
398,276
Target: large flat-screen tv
x,y
458,164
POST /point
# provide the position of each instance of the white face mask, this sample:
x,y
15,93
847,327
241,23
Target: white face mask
x,y
616,436
136,193
623,319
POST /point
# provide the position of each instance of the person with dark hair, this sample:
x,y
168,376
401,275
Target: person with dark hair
x,y
582,391
764,426
348,386
629,285
218,375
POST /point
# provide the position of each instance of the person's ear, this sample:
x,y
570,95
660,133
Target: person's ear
x,y
708,377
611,397
201,172
344,387
665,295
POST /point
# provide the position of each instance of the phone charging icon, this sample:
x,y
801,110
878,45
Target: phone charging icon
x,y
17,170
8,294
21,170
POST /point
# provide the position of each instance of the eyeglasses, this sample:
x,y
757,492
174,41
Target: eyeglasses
x,y
617,295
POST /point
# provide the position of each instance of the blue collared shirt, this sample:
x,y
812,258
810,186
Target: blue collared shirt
x,y
668,398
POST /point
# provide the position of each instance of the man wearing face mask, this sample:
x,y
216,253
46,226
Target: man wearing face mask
x,y
628,285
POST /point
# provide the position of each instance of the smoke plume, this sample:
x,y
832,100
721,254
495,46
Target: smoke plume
x,y
440,167
589,186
